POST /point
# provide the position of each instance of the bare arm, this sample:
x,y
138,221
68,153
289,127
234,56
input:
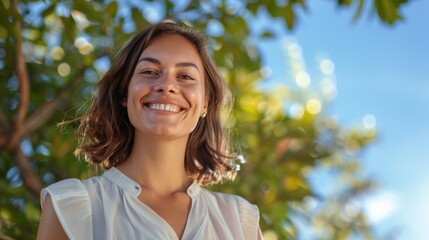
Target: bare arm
x,y
50,227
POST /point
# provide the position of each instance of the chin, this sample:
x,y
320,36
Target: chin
x,y
166,133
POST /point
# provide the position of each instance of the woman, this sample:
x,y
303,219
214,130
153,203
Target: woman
x,y
154,124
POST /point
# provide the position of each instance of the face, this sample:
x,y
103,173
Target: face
x,y
166,94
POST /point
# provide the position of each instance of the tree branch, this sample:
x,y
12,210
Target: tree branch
x,y
30,179
4,126
40,116
5,237
24,87
43,113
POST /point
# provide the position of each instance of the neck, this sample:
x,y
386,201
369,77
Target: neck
x,y
158,165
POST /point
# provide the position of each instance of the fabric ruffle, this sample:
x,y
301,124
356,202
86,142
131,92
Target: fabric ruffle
x,y
249,218
71,203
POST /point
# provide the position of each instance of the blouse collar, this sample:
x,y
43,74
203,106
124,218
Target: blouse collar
x,y
133,188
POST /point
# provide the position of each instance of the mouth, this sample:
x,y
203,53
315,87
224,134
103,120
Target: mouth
x,y
164,107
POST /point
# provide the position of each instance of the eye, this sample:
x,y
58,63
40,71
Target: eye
x,y
149,72
186,77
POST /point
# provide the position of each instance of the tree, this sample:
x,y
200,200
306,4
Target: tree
x,y
52,52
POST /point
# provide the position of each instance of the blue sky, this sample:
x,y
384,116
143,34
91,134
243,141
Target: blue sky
x,y
382,71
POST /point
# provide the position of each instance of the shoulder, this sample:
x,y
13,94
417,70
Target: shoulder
x,y
63,189
230,200
71,205
247,212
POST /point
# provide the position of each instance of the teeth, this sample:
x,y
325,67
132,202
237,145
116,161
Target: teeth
x,y
164,107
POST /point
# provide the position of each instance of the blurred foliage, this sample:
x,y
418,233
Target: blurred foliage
x,y
68,44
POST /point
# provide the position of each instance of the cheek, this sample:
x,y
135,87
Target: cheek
x,y
135,91
136,88
200,99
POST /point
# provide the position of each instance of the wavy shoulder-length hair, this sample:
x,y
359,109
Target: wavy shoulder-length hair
x,y
106,134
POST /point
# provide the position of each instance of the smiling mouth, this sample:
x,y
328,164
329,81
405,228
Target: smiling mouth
x,y
164,107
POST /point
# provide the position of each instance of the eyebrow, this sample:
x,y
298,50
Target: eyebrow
x,y
180,64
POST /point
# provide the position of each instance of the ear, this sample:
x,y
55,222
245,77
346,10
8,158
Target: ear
x,y
124,102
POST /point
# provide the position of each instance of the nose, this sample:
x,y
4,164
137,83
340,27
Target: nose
x,y
166,83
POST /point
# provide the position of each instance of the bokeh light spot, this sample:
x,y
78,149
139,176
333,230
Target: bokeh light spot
x,y
313,106
266,72
352,208
302,79
270,235
294,50
328,88
296,111
381,206
290,183
80,19
369,121
63,69
83,46
327,66
57,53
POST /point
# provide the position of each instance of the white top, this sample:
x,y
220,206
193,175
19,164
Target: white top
x,y
106,207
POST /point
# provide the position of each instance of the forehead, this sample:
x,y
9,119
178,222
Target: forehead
x,y
172,47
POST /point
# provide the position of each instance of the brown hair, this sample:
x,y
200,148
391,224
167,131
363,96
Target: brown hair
x,y
106,134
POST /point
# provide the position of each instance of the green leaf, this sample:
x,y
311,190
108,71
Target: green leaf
x,y
138,19
267,34
71,30
3,32
169,7
253,7
88,8
388,11
49,10
359,10
119,25
111,9
289,17
345,2
3,8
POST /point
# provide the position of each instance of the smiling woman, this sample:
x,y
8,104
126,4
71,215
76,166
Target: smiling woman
x,y
154,126
167,76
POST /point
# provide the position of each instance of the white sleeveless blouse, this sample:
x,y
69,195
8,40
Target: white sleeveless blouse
x,y
107,207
